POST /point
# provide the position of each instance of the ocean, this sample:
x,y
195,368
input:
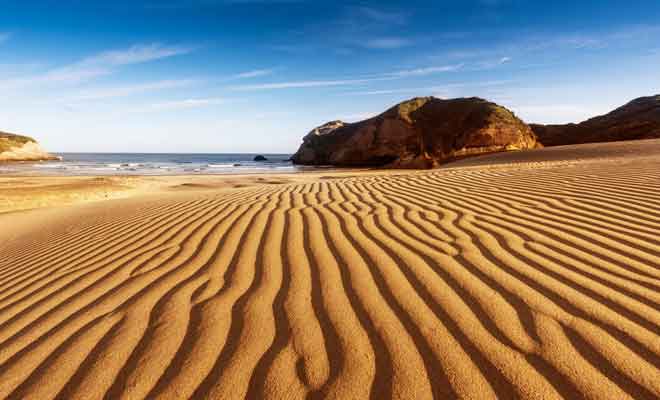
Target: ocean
x,y
153,164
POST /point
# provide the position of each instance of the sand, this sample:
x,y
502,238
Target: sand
x,y
521,275
30,192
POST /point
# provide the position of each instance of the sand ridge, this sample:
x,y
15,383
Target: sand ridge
x,y
536,282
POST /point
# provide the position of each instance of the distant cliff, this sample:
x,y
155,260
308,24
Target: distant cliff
x,y
21,148
422,132
639,119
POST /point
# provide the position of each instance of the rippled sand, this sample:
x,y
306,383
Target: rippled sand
x,y
530,275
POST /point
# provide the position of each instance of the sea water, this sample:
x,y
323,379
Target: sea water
x,y
152,164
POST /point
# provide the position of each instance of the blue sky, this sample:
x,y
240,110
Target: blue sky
x,y
257,75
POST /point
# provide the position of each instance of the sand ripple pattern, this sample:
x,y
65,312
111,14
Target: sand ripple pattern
x,y
539,282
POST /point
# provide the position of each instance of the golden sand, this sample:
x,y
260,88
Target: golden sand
x,y
529,275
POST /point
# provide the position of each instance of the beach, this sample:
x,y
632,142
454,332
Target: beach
x,y
532,274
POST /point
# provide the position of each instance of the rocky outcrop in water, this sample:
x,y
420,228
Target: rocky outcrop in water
x,y
419,133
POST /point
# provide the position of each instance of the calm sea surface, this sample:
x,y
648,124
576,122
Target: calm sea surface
x,y
152,164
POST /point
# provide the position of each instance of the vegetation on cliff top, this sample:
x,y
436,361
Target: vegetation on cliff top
x,y
9,141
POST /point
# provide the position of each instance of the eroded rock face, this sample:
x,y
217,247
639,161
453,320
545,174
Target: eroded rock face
x,y
419,133
639,119
21,148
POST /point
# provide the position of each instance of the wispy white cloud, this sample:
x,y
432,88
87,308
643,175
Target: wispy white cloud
x,y
353,28
490,64
180,105
389,91
136,54
426,71
441,91
582,42
257,73
308,84
382,16
121,91
527,50
63,75
98,65
627,36
71,74
386,43
389,76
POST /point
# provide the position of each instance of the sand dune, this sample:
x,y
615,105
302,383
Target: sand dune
x,y
540,281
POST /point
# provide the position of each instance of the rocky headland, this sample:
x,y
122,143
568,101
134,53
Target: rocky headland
x,y
420,133
22,148
639,119
426,132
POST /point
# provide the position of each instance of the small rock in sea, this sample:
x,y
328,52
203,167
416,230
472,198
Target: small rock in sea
x,y
237,165
260,158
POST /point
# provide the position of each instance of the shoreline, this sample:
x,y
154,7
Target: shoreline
x,y
32,191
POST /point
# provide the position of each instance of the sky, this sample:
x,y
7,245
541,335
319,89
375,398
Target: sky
x,y
254,76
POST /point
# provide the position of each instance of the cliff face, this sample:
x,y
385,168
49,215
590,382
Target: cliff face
x,y
639,119
21,148
419,133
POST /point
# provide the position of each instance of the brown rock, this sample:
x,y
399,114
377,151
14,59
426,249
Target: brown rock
x,y
419,133
639,119
21,148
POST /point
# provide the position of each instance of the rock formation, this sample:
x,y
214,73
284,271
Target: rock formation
x,y
639,119
21,148
419,133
